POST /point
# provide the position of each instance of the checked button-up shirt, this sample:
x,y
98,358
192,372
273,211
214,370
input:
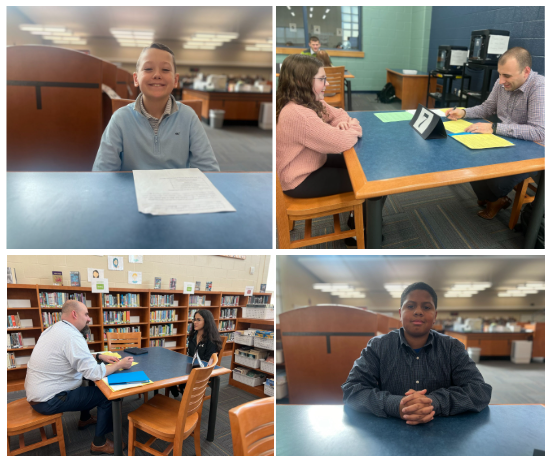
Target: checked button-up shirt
x,y
388,367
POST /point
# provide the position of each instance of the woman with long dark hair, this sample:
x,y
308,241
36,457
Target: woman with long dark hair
x,y
203,338
310,134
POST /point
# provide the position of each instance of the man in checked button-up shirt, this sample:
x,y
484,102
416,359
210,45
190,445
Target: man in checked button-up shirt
x,y
415,373
518,99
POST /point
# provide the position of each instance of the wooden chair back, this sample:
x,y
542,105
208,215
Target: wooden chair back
x,y
54,108
252,427
123,83
290,209
320,344
521,198
121,341
192,399
221,352
335,78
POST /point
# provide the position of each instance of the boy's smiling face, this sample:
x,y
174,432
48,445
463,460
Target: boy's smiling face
x,y
418,313
156,76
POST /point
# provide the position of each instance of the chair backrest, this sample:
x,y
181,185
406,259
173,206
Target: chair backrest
x,y
282,217
335,77
192,398
252,427
194,104
221,352
121,341
119,103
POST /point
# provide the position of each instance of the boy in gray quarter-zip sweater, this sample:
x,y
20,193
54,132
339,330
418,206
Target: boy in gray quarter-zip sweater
x,y
155,132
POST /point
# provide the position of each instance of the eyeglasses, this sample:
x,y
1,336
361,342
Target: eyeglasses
x,y
323,79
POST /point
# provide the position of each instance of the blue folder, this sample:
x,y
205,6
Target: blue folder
x,y
128,378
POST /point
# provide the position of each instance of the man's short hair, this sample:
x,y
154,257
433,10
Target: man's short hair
x,y
71,305
158,46
419,286
523,57
313,38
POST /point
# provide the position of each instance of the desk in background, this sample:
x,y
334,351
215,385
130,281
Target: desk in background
x,y
99,210
392,158
411,89
240,106
166,368
319,430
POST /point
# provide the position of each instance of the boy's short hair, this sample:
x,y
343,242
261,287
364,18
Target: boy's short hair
x,y
313,38
419,286
158,46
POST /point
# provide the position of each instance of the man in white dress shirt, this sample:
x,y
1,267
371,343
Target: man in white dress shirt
x,y
59,361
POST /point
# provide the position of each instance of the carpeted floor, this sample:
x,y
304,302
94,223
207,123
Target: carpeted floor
x,y
78,443
241,148
440,218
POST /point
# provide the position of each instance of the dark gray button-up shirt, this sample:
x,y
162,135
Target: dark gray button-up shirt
x,y
388,367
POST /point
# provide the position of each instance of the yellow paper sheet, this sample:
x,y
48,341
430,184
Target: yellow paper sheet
x,y
113,354
482,141
457,126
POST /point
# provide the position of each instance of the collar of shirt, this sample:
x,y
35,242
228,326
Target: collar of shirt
x,y
524,88
70,324
170,108
403,341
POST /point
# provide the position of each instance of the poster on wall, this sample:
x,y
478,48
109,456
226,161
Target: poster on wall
x,y
189,288
134,278
93,273
99,286
249,291
115,263
135,259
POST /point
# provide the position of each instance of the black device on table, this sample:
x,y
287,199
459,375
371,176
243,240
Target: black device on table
x,y
136,351
451,58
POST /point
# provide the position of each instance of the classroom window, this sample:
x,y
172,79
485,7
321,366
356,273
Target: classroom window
x,y
337,27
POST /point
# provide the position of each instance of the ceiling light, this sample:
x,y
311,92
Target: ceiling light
x,y
256,48
311,15
327,10
288,7
222,36
324,16
71,42
311,8
395,286
536,285
511,295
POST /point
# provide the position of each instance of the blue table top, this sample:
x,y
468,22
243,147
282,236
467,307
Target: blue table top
x,y
400,71
99,210
498,430
395,149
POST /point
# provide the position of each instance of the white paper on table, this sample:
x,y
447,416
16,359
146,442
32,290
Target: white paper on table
x,y
119,387
177,191
438,112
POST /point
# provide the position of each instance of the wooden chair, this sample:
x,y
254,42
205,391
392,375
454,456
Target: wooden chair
x,y
521,199
120,341
194,104
290,209
23,418
167,420
252,427
335,77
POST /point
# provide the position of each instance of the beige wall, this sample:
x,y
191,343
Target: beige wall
x,y
227,274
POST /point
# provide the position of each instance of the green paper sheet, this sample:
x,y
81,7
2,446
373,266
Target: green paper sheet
x,y
393,116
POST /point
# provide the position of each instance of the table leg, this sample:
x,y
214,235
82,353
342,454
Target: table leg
x,y
539,209
348,84
374,222
215,389
117,422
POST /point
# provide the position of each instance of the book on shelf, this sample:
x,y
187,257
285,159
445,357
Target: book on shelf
x,y
49,318
198,286
157,283
230,336
14,321
121,330
173,284
191,313
110,317
161,300
15,341
249,373
11,360
121,300
11,275
57,299
75,278
208,286
229,301
163,316
57,277
228,313
196,300
262,288
258,299
189,327
225,325
162,330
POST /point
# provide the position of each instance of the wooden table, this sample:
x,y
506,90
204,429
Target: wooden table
x,y
166,368
391,158
99,210
238,106
410,89
332,430
491,344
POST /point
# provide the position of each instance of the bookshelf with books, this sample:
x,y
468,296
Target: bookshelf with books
x,y
168,319
244,324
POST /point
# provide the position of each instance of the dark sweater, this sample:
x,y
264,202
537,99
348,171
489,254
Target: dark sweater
x,y
205,349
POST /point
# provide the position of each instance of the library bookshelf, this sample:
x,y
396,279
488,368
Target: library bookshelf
x,y
140,314
243,324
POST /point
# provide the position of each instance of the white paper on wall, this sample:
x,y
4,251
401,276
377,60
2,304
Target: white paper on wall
x,y
94,274
498,44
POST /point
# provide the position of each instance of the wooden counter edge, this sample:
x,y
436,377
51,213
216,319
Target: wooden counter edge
x,y
341,53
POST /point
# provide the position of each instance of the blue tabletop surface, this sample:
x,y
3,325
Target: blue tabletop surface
x,y
160,363
395,149
498,430
99,210
400,71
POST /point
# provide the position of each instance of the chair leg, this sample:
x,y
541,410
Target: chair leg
x,y
60,435
196,439
9,451
359,226
517,204
131,440
291,224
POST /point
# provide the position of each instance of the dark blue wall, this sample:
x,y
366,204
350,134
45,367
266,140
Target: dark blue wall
x,y
452,25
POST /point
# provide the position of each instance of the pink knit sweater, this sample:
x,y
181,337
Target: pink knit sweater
x,y
303,140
